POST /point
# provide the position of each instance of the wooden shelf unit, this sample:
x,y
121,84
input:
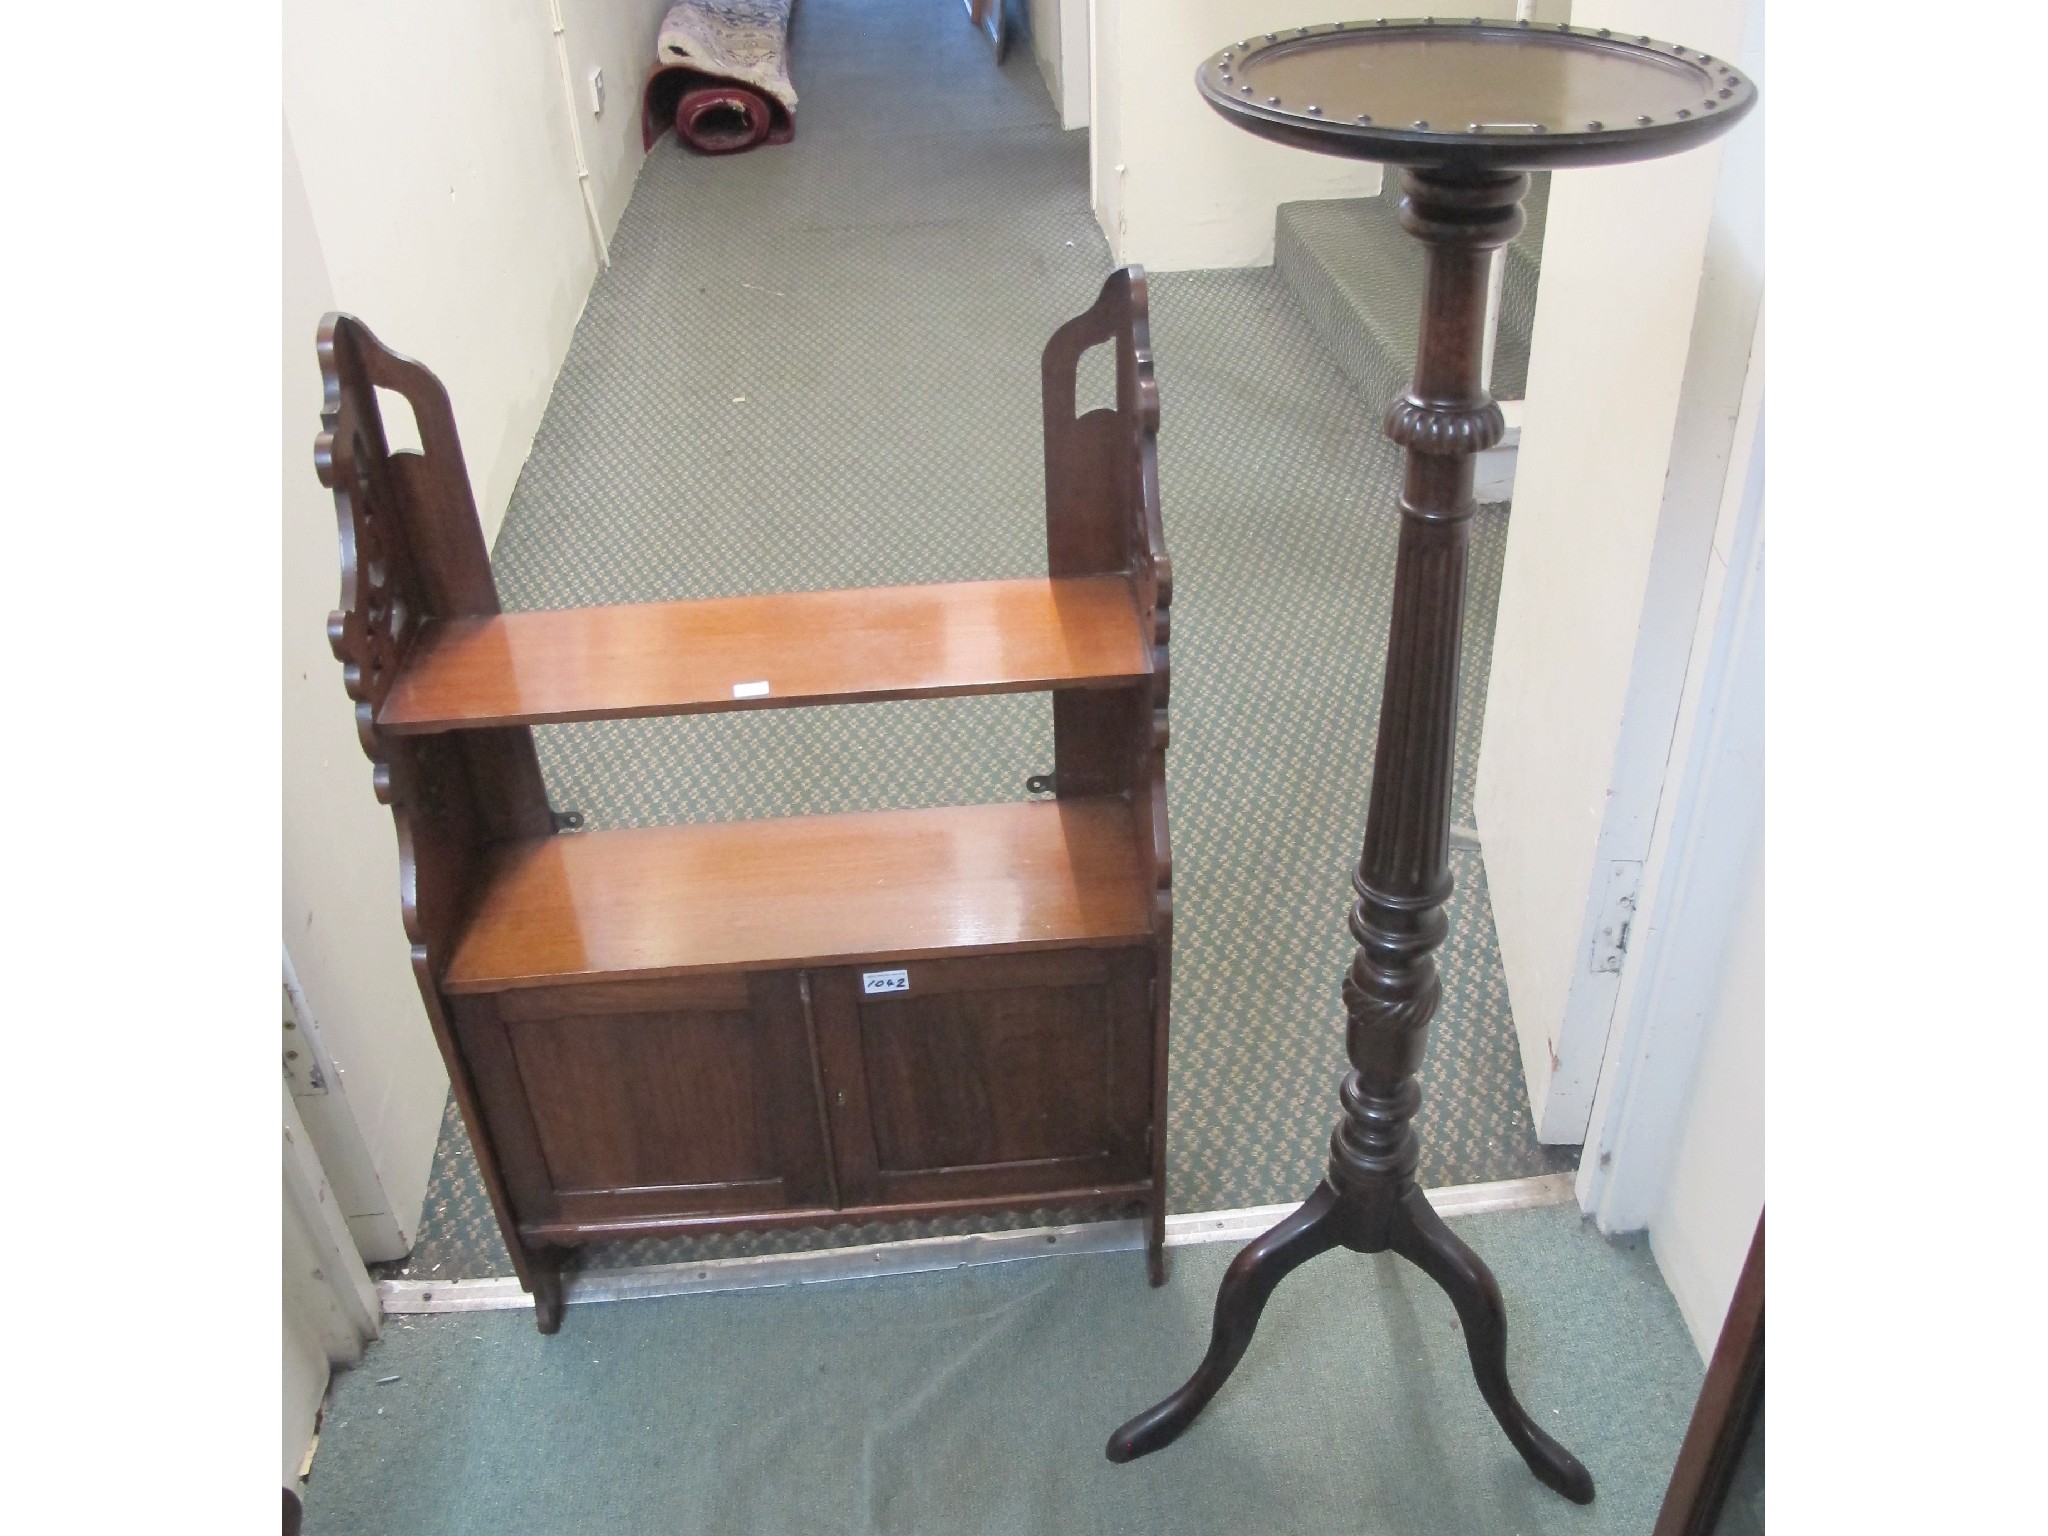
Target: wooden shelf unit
x,y
798,1021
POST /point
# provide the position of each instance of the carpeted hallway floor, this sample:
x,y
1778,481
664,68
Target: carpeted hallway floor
x,y
817,366
978,1401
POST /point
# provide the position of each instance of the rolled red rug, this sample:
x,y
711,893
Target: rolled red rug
x,y
722,119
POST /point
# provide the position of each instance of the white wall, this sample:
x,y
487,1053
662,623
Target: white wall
x,y
1676,1140
436,148
341,923
1106,120
1059,41
1177,187
618,37
431,189
1652,279
1702,1229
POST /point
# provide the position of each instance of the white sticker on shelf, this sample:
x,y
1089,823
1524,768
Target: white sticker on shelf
x,y
872,982
750,690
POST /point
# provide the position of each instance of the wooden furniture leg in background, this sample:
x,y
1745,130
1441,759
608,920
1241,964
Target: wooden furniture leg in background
x,y
991,19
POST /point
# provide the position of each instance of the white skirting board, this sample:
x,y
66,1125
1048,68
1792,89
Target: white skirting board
x,y
924,1254
1493,472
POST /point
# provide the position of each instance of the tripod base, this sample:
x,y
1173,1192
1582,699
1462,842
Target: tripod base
x,y
1408,1226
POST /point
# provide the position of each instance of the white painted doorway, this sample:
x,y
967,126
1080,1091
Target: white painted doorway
x,y
1646,342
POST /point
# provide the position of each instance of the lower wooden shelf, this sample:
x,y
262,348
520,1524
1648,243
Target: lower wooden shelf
x,y
809,890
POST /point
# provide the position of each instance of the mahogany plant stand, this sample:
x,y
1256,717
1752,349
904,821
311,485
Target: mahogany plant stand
x,y
1504,99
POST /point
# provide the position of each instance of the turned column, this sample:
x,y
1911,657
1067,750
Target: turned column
x,y
1403,876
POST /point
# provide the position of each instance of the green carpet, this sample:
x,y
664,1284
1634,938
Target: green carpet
x,y
978,1401
817,366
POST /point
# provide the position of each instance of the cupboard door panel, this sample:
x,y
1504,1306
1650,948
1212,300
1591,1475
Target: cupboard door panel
x,y
507,1132
990,1077
1008,1075
622,1104
634,1101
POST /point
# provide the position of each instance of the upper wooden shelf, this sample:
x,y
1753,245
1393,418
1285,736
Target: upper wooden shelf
x,y
805,890
767,652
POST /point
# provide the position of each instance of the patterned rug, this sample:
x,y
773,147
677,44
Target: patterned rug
x,y
857,405
746,41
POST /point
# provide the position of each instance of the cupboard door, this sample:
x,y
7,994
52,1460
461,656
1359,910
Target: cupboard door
x,y
636,1101
986,1078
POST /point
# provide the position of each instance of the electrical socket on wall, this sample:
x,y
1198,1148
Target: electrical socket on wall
x,y
597,93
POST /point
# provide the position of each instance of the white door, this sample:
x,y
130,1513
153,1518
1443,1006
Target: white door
x,y
1652,285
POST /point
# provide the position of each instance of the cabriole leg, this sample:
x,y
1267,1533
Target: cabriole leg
x,y
1247,1284
1421,1237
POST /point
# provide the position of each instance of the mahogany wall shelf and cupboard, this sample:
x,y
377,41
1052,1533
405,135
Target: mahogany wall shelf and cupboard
x,y
703,1028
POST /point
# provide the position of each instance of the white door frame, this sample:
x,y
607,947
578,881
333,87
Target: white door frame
x,y
1645,328
330,1305
334,1134
1698,861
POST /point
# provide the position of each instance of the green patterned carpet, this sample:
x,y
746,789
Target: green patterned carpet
x,y
817,366
975,1402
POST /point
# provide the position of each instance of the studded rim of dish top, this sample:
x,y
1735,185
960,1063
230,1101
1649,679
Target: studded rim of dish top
x,y
1696,97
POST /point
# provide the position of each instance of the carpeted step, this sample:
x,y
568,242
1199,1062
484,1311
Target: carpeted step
x,y
1359,275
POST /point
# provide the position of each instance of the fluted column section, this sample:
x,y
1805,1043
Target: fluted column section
x,y
1403,876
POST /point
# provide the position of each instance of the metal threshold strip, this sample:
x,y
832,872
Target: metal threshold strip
x,y
923,1255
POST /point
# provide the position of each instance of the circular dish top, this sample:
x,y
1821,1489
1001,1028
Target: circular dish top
x,y
1450,93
